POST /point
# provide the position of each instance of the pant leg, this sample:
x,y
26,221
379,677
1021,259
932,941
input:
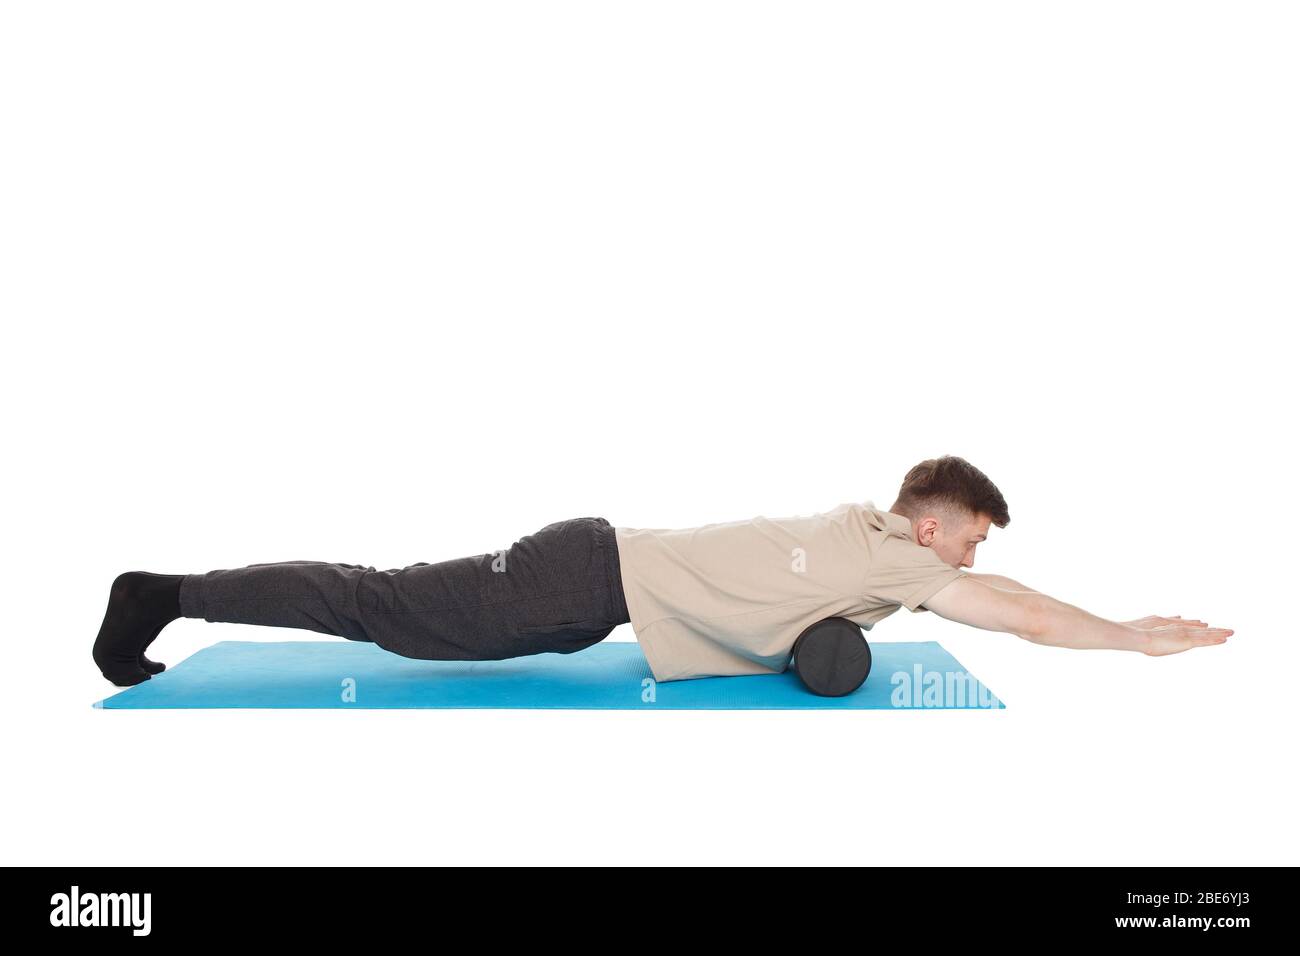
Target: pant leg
x,y
311,595
558,589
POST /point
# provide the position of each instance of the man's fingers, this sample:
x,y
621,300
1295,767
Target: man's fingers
x,y
1176,638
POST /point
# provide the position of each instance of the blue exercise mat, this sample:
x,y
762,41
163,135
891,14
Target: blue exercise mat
x,y
607,676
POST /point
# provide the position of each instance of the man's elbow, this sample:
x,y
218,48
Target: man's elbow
x,y
1034,620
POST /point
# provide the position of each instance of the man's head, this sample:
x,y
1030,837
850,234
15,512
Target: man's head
x,y
951,504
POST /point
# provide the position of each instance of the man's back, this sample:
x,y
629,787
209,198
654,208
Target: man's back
x,y
731,598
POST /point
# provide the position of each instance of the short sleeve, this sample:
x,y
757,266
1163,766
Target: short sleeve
x,y
905,573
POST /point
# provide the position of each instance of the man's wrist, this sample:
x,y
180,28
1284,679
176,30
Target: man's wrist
x,y
1134,638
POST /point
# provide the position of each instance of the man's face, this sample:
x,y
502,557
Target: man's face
x,y
953,537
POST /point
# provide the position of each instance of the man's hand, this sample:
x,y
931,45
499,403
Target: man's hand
x,y
1151,621
1175,637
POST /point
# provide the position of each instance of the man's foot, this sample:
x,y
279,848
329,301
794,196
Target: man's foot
x,y
140,605
146,665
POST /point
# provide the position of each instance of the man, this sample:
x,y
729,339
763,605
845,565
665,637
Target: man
x,y
718,600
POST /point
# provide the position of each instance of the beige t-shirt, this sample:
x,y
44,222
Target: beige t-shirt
x,y
731,598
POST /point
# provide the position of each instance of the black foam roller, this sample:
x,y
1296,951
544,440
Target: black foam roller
x,y
832,657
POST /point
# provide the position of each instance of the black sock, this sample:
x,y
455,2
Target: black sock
x,y
148,666
140,605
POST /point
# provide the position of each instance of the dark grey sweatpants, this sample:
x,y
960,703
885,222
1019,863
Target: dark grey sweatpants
x,y
558,589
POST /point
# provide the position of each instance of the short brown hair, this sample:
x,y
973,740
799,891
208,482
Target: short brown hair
x,y
951,484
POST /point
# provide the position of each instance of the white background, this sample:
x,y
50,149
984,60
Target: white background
x,y
381,283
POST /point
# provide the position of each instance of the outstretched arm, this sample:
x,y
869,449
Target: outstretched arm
x,y
1041,619
1150,622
